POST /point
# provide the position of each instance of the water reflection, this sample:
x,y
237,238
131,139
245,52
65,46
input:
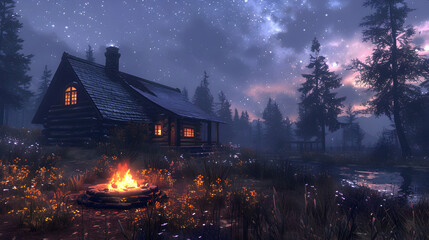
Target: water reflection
x,y
384,182
412,183
405,189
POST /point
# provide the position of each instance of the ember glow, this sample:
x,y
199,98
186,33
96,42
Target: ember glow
x,y
122,180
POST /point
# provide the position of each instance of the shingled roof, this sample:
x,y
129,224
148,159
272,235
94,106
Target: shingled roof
x,y
111,98
114,94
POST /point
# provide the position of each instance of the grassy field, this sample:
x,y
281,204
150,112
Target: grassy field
x,y
232,194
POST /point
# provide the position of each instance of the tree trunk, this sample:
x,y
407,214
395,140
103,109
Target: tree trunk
x,y
405,147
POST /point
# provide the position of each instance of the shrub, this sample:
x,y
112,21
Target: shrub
x,y
40,212
76,182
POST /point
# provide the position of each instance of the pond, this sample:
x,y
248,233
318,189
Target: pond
x,y
411,182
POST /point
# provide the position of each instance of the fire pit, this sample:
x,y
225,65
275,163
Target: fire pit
x,y
122,192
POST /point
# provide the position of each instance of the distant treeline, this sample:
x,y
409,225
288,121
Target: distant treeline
x,y
392,73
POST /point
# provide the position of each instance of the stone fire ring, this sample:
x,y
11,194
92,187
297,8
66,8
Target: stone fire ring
x,y
98,196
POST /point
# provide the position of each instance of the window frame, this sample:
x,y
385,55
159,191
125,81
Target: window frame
x,y
70,96
189,132
155,130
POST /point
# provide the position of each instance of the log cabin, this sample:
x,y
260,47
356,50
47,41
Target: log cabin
x,y
86,100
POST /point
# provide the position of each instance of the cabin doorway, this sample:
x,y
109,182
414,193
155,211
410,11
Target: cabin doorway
x,y
172,134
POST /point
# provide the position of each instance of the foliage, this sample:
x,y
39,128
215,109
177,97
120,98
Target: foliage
x,y
159,177
90,54
26,188
416,117
13,64
319,105
241,128
44,84
40,212
258,135
16,142
287,129
352,133
202,96
385,149
395,64
76,182
273,119
226,195
225,114
185,94
132,137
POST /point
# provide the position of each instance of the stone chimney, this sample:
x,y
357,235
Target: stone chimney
x,y
112,58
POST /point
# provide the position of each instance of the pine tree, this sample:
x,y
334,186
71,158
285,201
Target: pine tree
x,y
224,111
306,126
236,116
245,129
225,114
274,125
236,126
394,64
90,54
258,136
14,65
44,84
318,101
288,132
352,132
185,94
241,128
203,97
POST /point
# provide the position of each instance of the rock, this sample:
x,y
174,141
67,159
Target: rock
x,y
97,197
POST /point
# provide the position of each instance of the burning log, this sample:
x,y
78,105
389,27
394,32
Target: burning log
x,y
122,192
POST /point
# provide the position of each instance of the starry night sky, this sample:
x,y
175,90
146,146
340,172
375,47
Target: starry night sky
x,y
252,49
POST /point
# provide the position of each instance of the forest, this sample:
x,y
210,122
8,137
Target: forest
x,y
322,174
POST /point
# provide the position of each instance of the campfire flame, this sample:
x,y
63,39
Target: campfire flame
x,y
122,180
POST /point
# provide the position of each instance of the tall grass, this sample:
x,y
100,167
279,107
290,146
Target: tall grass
x,y
228,195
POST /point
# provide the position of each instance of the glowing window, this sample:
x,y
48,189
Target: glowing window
x,y
158,130
70,96
189,132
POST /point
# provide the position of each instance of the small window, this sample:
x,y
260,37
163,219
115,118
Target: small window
x,y
70,96
158,130
189,132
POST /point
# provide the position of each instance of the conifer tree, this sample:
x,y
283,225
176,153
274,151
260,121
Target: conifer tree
x,y
352,132
44,84
236,116
288,132
274,125
224,112
185,94
394,65
14,65
306,126
90,54
258,136
236,126
203,97
245,128
321,105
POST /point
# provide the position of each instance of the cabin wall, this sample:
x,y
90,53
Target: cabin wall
x,y
167,123
162,140
190,141
77,124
